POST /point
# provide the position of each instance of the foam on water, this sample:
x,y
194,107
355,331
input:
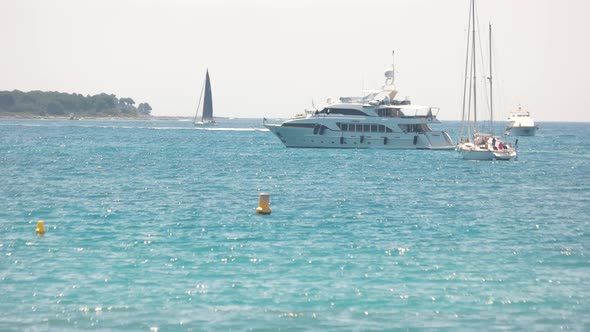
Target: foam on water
x,y
151,229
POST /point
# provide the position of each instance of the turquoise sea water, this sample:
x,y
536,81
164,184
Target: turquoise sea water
x,y
151,226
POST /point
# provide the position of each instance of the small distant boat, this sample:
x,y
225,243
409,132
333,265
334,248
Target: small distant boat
x,y
207,115
521,124
473,144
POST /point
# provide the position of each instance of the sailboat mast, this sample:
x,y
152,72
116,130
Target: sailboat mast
x,y
465,111
491,96
473,67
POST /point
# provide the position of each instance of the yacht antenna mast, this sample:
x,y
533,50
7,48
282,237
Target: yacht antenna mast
x,y
392,66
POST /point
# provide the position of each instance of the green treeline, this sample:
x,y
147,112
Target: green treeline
x,y
40,103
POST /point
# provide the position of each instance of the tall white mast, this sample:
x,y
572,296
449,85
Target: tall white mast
x,y
490,78
473,68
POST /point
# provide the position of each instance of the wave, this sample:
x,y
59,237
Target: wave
x,y
138,127
232,129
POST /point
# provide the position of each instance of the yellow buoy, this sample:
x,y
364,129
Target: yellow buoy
x,y
263,204
40,230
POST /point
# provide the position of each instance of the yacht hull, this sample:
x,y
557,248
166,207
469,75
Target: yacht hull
x,y
294,137
521,131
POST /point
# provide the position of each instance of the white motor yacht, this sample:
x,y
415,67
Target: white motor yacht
x,y
375,121
521,124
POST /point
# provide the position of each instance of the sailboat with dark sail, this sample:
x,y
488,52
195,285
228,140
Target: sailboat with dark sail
x,y
207,114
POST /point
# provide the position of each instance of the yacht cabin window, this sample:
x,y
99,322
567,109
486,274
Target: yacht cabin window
x,y
414,128
390,113
363,128
342,111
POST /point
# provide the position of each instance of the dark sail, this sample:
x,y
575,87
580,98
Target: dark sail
x,y
208,102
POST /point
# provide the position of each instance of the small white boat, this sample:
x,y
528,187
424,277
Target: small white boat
x,y
473,144
207,116
521,124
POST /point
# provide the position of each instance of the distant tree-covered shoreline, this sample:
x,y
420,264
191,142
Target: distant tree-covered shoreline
x,y
58,104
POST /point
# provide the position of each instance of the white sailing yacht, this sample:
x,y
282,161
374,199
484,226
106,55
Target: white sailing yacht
x,y
474,144
207,115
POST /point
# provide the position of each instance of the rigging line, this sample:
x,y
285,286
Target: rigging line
x,y
472,128
200,97
481,58
498,78
465,131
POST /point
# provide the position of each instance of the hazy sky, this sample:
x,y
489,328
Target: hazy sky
x,y
272,58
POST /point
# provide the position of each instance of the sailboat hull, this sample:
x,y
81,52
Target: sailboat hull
x,y
505,155
476,155
205,123
471,152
